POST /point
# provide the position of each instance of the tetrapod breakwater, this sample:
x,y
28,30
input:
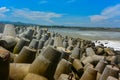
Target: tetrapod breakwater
x,y
35,53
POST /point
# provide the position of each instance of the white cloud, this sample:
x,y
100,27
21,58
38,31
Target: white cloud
x,y
107,13
95,18
35,15
3,10
43,1
70,1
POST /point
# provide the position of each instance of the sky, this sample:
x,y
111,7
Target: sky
x,y
85,13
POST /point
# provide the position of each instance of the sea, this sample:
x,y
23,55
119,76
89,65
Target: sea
x,y
112,38
88,34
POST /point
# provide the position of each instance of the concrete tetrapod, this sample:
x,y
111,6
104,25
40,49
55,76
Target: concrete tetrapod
x,y
46,42
64,77
64,67
31,76
90,51
41,44
111,78
100,66
28,34
8,42
70,47
45,64
9,30
65,53
109,51
87,66
65,44
23,42
54,56
76,53
45,37
70,41
89,74
109,71
58,41
77,65
92,59
12,56
100,51
98,76
4,64
39,35
18,71
51,42
26,55
34,44
39,66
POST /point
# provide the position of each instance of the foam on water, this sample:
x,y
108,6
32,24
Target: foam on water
x,y
109,43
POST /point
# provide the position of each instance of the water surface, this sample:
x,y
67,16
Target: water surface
x,y
88,34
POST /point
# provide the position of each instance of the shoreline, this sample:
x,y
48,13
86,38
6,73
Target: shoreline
x,y
115,44
88,34
87,28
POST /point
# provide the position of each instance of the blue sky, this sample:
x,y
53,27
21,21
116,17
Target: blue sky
x,y
89,13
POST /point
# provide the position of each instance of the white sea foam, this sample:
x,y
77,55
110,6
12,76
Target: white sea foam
x,y
109,43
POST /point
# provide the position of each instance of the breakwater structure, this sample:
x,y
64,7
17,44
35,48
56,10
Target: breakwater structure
x,y
35,53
